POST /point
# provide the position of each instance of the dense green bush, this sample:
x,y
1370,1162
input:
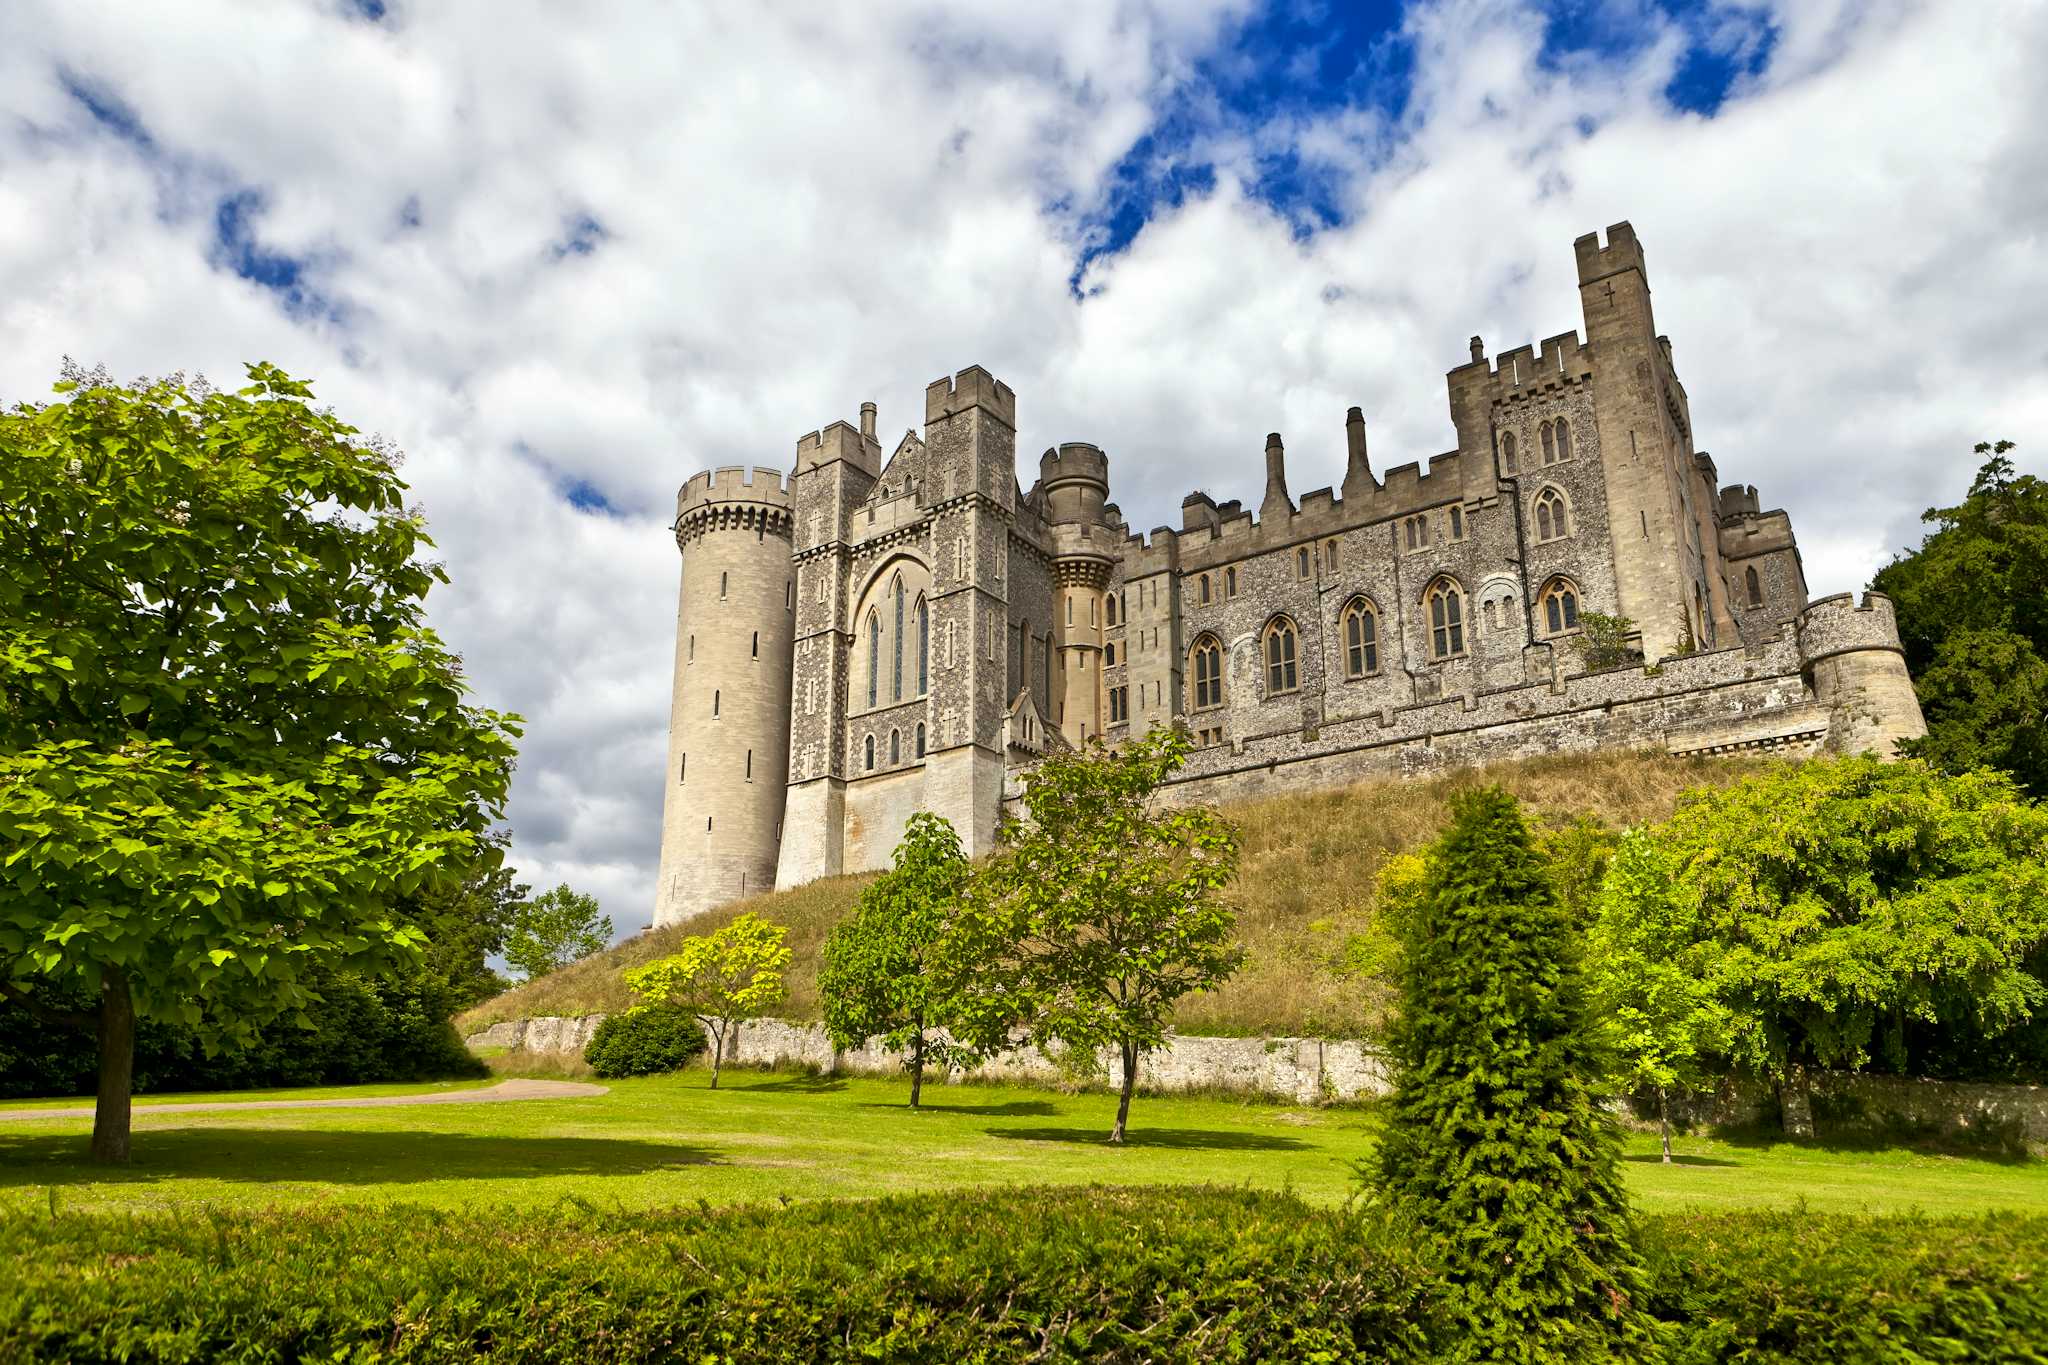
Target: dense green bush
x,y
1097,1274
644,1042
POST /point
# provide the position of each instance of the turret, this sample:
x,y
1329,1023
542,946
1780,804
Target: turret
x,y
729,704
1857,669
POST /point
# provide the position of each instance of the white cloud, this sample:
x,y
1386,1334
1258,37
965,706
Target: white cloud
x,y
799,211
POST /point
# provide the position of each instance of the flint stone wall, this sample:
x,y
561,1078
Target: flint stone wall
x,y
1301,1069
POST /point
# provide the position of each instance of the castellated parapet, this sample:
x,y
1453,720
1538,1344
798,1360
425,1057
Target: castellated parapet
x,y
728,744
906,627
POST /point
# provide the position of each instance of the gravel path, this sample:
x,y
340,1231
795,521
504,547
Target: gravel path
x,y
504,1090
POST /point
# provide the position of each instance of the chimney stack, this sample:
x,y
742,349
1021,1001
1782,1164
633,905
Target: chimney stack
x,y
867,420
1276,502
1357,468
1478,350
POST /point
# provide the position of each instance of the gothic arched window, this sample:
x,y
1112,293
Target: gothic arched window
x,y
895,746
1756,588
1551,521
874,657
920,739
896,666
1281,646
1361,639
1564,439
1507,453
1560,606
871,752
924,646
1446,620
1208,672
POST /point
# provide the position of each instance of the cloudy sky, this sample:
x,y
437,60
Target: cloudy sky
x,y
565,255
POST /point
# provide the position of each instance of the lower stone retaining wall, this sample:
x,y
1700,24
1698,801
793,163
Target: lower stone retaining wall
x,y
1308,1070
1302,1069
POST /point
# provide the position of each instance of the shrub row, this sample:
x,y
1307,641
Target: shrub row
x,y
1100,1274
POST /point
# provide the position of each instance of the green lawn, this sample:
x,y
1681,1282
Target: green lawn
x,y
764,1136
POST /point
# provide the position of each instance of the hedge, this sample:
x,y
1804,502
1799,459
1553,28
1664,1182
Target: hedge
x,y
644,1042
1100,1274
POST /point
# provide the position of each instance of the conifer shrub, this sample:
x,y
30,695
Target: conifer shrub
x,y
644,1042
1496,1152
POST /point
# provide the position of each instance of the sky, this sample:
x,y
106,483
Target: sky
x,y
564,256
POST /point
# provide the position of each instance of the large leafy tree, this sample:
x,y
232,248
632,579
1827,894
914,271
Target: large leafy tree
x,y
1099,910
554,929
1496,1146
882,974
721,978
1973,617
1845,904
229,745
1652,986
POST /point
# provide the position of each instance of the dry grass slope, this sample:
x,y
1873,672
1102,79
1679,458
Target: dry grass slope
x,y
1304,889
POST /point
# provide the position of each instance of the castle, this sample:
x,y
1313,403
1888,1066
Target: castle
x,y
878,634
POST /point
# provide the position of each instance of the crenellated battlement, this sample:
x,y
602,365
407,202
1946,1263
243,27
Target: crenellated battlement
x,y
1840,625
973,387
1622,252
734,496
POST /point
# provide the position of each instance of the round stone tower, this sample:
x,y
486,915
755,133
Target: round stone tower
x,y
1075,482
1852,658
728,729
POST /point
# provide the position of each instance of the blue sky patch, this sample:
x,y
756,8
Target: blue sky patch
x,y
581,239
236,248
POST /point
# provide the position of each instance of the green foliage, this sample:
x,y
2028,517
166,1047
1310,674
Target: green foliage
x,y
881,974
554,929
719,978
1846,905
1496,1147
1098,912
1603,641
1651,978
644,1042
1973,618
229,745
1093,1273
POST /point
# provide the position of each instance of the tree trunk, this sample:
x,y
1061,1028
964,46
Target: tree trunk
x,y
717,1053
1796,1103
917,1068
117,1069
1123,1102
1664,1122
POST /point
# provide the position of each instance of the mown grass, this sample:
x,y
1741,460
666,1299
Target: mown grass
x,y
768,1136
1305,886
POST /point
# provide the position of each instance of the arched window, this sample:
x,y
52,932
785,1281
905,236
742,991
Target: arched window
x,y
1109,611
1560,606
1507,453
1203,592
1564,440
1330,556
1549,444
1361,640
874,657
1208,671
896,665
920,739
1446,620
895,746
924,646
1109,656
1551,522
871,753
1756,588
1230,581
1301,562
1281,643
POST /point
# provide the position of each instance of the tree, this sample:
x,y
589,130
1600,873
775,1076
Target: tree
x,y
1100,911
1652,977
882,974
466,923
1974,623
554,929
719,978
1496,1148
229,746
1848,901
1604,641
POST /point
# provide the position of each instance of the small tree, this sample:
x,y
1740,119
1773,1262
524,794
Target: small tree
x,y
1851,902
1604,641
230,747
1496,1147
1653,984
554,929
881,974
1100,912
720,978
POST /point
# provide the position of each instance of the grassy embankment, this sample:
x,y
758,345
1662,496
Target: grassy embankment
x,y
761,1137
1304,888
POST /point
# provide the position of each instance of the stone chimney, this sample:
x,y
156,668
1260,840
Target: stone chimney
x,y
1357,468
1276,502
867,420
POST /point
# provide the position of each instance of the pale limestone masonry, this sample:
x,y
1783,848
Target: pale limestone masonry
x,y
928,628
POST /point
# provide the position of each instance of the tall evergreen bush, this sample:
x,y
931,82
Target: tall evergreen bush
x,y
1497,1150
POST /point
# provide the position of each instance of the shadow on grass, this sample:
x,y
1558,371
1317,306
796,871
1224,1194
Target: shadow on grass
x,y
1182,1139
339,1156
801,1082
1678,1159
2001,1145
1013,1109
